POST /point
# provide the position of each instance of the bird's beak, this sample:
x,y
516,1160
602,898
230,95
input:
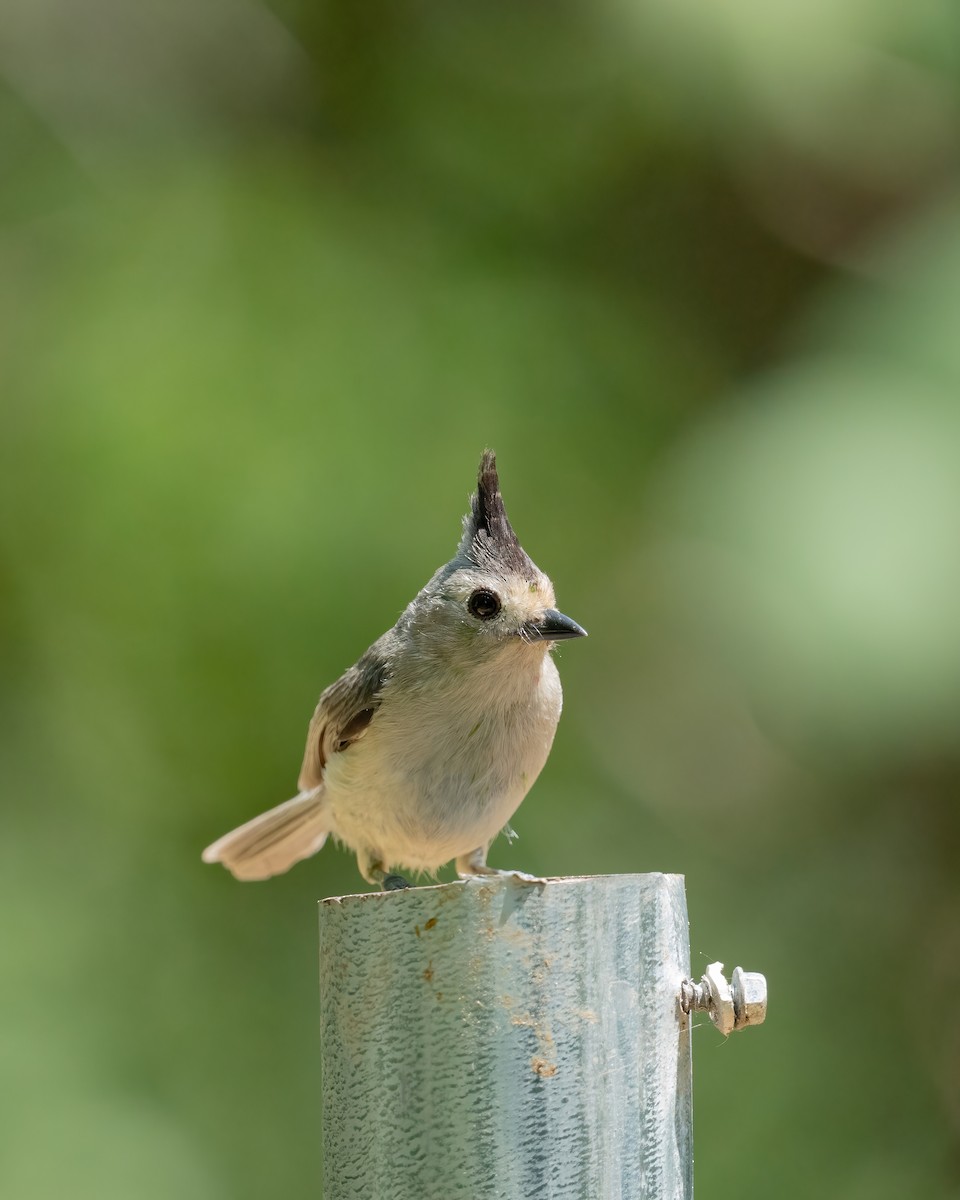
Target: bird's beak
x,y
553,626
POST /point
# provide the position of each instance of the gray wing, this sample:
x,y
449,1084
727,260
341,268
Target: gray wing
x,y
344,712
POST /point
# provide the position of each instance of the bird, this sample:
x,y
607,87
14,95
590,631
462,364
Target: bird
x,y
421,752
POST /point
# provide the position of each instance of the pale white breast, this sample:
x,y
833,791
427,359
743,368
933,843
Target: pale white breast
x,y
444,766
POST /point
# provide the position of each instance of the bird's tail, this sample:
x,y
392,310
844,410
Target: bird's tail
x,y
271,843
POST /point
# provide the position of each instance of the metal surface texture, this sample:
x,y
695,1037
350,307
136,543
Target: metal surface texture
x,y
507,1038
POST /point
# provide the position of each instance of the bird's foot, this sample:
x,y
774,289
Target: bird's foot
x,y
473,866
373,871
481,871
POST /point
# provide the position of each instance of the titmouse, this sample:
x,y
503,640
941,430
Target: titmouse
x,y
422,751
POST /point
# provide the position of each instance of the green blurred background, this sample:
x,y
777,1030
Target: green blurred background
x,y
271,277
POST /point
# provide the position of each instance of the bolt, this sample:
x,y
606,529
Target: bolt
x,y
749,997
730,1007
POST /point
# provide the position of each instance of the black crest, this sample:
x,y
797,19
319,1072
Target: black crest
x,y
488,537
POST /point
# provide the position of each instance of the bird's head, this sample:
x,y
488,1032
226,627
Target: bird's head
x,y
492,593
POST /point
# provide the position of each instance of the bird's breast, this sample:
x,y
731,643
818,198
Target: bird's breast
x,y
442,769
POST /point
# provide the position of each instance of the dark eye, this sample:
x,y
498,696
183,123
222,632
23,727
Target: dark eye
x,y
484,604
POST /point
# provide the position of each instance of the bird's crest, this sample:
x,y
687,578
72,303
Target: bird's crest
x,y
488,537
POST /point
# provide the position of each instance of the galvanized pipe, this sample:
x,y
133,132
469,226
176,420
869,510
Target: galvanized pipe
x,y
507,1038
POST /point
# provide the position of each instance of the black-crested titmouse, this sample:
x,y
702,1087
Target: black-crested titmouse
x,y
422,751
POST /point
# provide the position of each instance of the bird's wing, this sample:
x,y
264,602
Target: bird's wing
x,y
343,713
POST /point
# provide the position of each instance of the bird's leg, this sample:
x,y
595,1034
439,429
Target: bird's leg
x,y
469,866
475,863
373,871
385,881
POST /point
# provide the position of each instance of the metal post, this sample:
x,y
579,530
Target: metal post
x,y
507,1038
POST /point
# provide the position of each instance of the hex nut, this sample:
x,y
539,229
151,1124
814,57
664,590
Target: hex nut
x,y
749,997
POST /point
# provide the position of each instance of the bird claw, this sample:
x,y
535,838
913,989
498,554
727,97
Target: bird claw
x,y
524,877
496,873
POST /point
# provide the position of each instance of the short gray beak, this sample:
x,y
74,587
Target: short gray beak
x,y
553,626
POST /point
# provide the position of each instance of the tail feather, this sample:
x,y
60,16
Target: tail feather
x,y
272,842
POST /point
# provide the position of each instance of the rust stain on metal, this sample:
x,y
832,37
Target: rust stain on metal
x,y
430,924
428,972
539,973
541,1032
416,930
540,1066
518,937
439,996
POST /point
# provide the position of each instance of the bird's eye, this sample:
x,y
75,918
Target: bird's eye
x,y
484,604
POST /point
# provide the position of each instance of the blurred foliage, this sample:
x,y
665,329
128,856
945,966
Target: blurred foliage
x,y
270,279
